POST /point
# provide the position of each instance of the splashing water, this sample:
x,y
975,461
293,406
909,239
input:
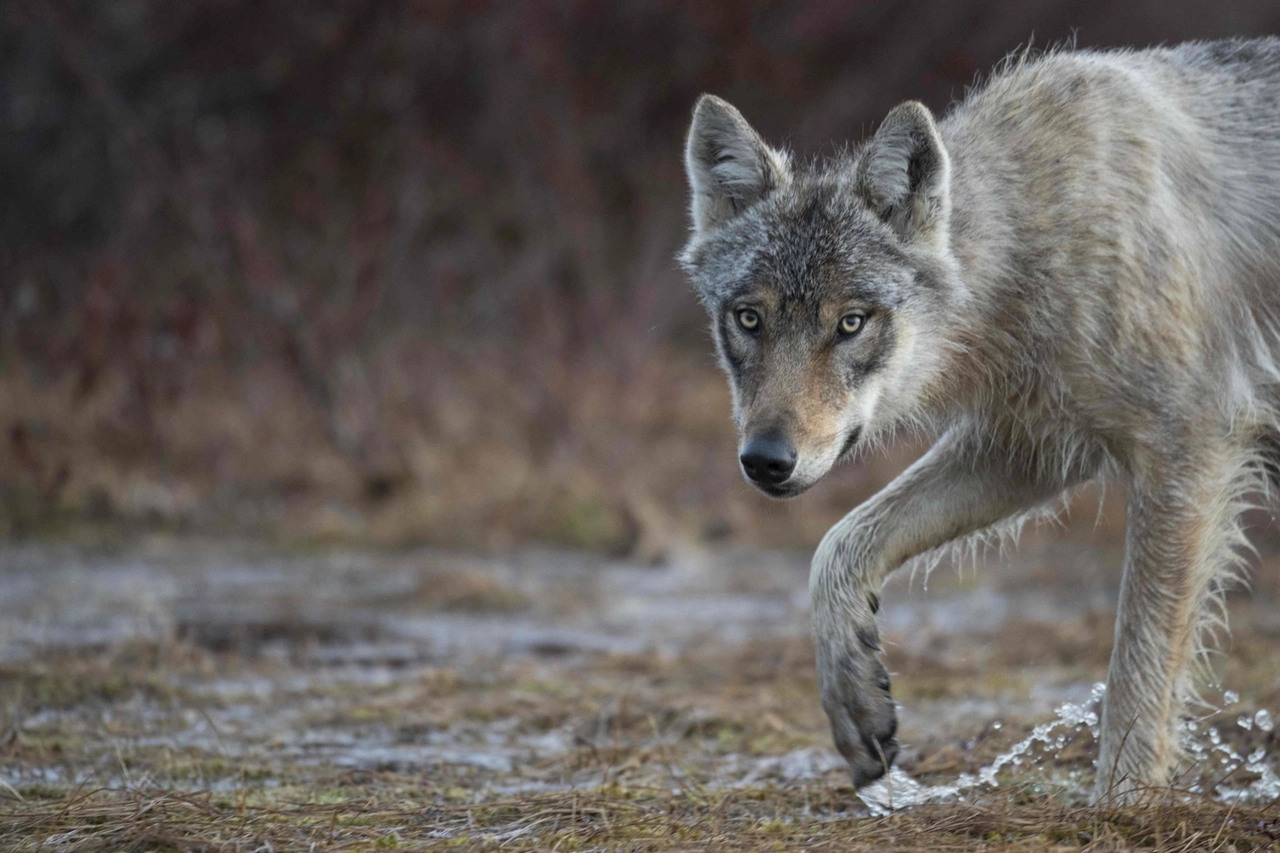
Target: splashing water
x,y
1263,720
898,790
1207,749
1227,761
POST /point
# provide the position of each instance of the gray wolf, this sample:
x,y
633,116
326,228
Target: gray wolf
x,y
1071,277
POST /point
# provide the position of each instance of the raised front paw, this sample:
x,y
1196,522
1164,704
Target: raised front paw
x,y
854,686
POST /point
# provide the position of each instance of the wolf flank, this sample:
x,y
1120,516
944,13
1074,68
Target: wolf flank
x,y
1072,276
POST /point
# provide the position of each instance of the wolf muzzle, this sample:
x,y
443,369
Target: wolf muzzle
x,y
768,459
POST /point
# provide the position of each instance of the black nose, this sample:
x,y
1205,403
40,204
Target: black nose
x,y
768,459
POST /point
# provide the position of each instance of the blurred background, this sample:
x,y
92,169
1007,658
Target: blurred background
x,y
401,273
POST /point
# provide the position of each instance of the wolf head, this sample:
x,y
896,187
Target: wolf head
x,y
829,286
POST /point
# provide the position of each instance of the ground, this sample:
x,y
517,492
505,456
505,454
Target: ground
x,y
189,695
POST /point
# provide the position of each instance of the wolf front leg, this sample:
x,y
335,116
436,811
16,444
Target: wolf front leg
x,y
963,484
1182,535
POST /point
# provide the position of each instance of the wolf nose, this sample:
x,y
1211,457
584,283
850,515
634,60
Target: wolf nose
x,y
768,459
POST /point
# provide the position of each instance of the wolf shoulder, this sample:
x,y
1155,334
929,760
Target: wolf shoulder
x,y
1216,83
1182,137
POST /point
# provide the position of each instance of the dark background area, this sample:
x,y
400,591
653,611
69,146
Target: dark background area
x,y
402,272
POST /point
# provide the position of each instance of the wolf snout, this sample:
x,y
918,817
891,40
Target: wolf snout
x,y
768,459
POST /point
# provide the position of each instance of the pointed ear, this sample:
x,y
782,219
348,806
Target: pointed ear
x,y
728,164
905,174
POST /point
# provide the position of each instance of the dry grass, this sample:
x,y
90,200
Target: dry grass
x,y
354,816
301,723
649,732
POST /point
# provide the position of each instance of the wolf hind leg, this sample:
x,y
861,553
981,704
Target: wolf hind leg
x,y
1183,544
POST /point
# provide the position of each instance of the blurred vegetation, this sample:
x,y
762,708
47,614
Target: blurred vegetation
x,y
402,271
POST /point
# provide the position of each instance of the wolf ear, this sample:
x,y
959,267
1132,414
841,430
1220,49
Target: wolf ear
x,y
728,164
905,174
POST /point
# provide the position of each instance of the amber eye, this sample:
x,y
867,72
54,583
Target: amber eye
x,y
748,319
851,323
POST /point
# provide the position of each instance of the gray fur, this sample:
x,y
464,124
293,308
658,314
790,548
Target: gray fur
x,y
1073,276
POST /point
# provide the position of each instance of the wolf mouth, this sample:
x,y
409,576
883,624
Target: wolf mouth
x,y
781,492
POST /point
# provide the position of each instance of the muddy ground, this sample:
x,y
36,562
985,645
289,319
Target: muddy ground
x,y
181,694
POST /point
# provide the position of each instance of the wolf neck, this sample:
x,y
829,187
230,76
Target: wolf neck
x,y
983,243
982,235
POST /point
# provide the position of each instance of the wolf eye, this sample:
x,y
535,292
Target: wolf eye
x,y
748,319
851,323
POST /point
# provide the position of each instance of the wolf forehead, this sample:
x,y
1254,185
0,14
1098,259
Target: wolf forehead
x,y
814,239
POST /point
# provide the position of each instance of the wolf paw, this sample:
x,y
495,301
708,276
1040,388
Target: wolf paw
x,y
854,687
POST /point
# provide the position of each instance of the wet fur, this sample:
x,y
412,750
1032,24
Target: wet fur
x,y
1073,276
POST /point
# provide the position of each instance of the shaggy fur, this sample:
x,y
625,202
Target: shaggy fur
x,y
1073,276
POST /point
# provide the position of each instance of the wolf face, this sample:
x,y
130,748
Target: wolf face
x,y
828,287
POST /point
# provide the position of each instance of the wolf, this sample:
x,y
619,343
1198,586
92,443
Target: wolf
x,y
1072,277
